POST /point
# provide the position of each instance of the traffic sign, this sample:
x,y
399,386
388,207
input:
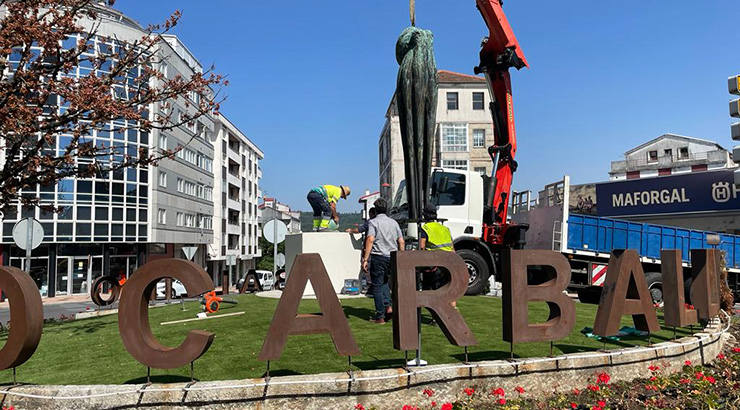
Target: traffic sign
x,y
275,228
21,233
280,260
231,260
189,251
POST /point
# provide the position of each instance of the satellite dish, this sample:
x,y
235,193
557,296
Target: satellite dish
x,y
269,231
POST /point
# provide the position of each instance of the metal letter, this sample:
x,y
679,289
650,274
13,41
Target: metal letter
x,y
705,282
674,299
133,314
406,299
26,315
625,292
286,321
517,293
97,287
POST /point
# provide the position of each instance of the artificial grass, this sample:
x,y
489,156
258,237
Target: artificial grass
x,y
90,351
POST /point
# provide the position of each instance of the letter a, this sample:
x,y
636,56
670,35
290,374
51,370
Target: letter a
x,y
406,299
286,321
674,304
625,292
517,294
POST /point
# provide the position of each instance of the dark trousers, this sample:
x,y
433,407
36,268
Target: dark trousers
x,y
380,270
320,205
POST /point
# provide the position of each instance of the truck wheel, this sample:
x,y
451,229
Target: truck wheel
x,y
477,269
655,284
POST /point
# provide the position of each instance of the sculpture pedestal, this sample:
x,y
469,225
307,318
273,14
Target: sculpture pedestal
x,y
340,251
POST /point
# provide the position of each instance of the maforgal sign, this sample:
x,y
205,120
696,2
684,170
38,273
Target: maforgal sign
x,y
682,193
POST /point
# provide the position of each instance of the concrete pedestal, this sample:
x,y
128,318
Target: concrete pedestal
x,y
340,252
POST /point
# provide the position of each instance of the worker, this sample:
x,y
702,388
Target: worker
x,y
323,201
433,236
363,228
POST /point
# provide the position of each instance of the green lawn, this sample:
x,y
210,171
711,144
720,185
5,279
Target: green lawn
x,y
90,351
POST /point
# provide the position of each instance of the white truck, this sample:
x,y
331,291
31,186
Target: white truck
x,y
586,240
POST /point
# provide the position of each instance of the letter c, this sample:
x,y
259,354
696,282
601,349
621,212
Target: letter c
x,y
26,314
133,314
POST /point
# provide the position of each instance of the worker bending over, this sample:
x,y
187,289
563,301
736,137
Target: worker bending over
x,y
434,236
323,201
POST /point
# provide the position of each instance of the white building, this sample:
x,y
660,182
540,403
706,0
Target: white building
x,y
271,207
464,131
236,212
671,154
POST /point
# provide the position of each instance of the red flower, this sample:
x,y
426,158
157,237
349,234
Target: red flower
x,y
434,404
736,350
446,406
519,389
653,368
593,387
602,403
721,356
407,407
687,363
603,378
699,375
691,307
574,405
685,381
652,379
469,391
502,401
359,406
710,379
576,392
428,392
498,392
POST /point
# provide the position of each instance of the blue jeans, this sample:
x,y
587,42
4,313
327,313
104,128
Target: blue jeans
x,y
380,271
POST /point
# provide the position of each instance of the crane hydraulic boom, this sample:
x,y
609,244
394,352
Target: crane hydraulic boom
x,y
500,51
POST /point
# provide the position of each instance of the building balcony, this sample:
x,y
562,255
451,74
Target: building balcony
x,y
233,204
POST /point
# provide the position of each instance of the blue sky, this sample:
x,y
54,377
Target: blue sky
x,y
311,80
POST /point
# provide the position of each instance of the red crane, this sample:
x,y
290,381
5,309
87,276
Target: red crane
x,y
500,52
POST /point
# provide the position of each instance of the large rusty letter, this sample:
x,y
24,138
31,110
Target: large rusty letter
x,y
406,299
26,315
625,292
674,299
705,282
286,321
517,293
133,314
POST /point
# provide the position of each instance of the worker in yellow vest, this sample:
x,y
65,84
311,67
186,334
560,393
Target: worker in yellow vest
x,y
433,236
323,200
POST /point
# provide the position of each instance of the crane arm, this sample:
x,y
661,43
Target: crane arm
x,y
499,52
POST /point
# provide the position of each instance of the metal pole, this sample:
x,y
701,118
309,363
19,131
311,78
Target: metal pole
x,y
29,243
274,236
231,273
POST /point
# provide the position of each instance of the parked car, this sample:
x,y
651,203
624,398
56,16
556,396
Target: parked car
x,y
178,289
266,278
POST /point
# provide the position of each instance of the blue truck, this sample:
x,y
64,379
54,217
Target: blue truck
x,y
564,218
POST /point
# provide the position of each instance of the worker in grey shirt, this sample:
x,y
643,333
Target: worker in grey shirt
x,y
383,237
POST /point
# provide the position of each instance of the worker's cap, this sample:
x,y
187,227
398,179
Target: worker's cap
x,y
430,210
345,191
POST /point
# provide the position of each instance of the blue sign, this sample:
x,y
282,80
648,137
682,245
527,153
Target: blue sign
x,y
690,192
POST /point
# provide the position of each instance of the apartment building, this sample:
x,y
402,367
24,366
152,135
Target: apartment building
x,y
463,133
671,154
271,209
236,210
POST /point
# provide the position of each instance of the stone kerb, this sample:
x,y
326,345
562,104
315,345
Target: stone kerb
x,y
385,388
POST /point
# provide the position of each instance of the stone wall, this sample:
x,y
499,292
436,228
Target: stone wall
x,y
387,388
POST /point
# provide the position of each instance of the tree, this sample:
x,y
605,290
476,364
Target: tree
x,y
42,96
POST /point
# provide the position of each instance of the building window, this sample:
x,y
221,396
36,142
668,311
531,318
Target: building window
x,y
162,216
479,138
652,156
683,153
478,101
454,137
455,164
162,142
633,174
698,168
664,171
668,153
451,101
180,185
162,179
180,219
481,170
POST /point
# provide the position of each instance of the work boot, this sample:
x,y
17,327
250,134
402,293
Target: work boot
x,y
378,321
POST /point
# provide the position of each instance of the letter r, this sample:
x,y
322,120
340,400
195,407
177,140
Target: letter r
x,y
517,293
406,299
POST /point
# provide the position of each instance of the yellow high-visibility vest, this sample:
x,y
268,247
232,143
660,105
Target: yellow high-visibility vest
x,y
439,237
